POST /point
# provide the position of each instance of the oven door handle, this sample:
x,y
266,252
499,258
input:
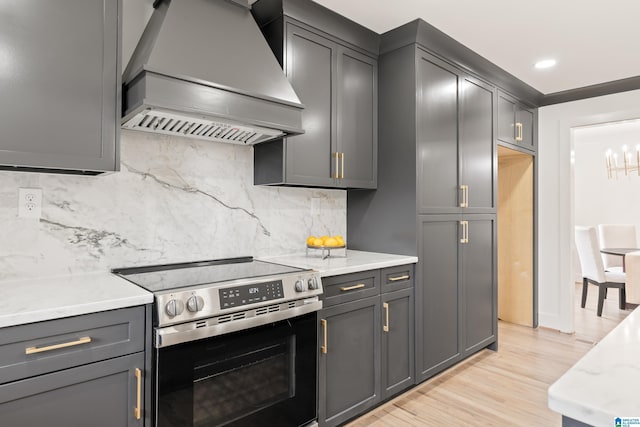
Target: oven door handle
x,y
185,332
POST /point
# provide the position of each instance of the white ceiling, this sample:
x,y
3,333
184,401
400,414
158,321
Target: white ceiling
x,y
593,41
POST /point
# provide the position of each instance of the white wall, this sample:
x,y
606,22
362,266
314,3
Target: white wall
x,y
556,125
599,200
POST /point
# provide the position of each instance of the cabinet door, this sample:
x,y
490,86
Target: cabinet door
x,y
478,277
349,370
61,73
102,394
437,312
524,117
506,118
437,140
357,119
397,371
310,64
477,146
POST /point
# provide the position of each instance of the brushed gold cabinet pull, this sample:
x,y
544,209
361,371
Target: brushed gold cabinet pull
x,y
33,350
137,411
395,279
386,309
337,156
519,134
342,173
350,288
323,348
465,196
465,231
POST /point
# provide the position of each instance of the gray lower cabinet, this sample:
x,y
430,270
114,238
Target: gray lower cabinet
x,y
62,76
101,394
397,342
337,83
458,296
77,371
516,122
365,341
349,368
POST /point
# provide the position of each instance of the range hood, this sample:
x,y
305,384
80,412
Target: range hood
x,y
203,69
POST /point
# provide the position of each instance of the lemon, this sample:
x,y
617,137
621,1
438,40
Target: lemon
x,y
331,242
317,242
310,240
324,238
340,240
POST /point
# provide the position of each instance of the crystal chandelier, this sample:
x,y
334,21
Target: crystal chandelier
x,y
628,164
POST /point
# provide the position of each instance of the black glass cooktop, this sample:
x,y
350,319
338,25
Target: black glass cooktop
x,y
164,277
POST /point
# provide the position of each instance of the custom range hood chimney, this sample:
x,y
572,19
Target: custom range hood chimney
x,y
202,69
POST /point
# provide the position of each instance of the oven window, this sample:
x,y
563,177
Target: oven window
x,y
224,391
261,377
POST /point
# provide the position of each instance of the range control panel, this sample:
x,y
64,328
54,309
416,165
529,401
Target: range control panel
x,y
250,294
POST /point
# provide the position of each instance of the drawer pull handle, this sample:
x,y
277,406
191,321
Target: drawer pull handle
x,y
350,288
137,412
395,279
34,350
323,348
386,309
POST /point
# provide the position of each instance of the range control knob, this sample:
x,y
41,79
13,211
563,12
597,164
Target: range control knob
x,y
301,285
174,307
195,303
313,283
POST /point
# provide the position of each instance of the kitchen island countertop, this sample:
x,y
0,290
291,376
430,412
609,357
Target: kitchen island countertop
x,y
47,298
335,265
605,383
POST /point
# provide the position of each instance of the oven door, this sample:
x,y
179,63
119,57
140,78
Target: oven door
x,y
264,376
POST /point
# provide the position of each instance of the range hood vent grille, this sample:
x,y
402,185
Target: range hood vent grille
x,y
200,128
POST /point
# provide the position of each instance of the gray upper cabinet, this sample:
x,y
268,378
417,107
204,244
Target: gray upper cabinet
x,y
455,141
516,122
62,75
336,80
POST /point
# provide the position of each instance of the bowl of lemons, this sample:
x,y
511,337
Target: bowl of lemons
x,y
325,242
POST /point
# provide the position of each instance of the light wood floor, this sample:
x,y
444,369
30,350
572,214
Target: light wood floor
x,y
503,388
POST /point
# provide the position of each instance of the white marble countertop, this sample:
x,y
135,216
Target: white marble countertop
x,y
605,383
34,300
337,264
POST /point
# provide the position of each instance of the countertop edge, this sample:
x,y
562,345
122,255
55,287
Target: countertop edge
x,y
353,262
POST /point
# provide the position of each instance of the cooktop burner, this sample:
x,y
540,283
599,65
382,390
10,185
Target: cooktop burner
x,y
175,276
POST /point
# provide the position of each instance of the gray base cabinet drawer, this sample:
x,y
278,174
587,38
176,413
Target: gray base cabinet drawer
x,y
350,287
102,394
39,348
396,278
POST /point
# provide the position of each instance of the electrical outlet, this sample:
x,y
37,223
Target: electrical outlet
x,y
29,202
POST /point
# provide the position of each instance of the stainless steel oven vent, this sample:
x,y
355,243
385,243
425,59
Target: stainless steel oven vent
x,y
201,128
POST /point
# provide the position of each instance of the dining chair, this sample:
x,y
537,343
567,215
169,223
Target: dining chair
x,y
632,284
593,269
616,236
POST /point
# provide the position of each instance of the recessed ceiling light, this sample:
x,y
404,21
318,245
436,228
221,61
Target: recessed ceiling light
x,y
545,63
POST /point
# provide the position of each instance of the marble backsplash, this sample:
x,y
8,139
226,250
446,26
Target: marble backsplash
x,y
174,200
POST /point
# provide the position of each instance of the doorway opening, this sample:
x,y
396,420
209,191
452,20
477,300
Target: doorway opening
x,y
515,237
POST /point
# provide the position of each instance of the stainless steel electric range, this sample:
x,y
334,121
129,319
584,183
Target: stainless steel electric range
x,y
234,342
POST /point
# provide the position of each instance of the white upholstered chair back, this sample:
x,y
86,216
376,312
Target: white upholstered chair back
x,y
616,236
589,254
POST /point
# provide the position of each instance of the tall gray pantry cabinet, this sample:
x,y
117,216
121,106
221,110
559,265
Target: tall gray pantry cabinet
x,y
60,86
436,199
332,65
